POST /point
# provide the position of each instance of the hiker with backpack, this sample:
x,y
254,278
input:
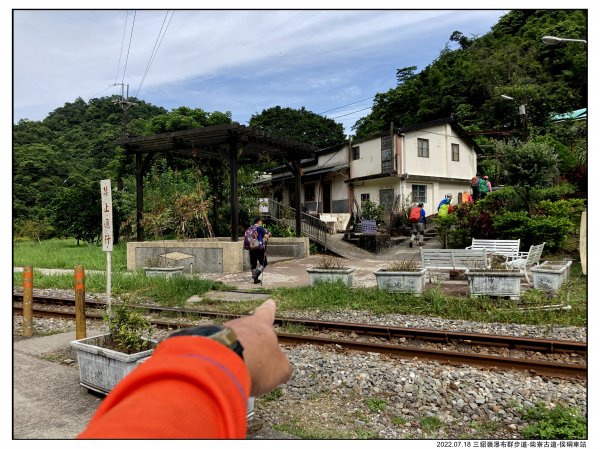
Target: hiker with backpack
x,y
475,188
255,241
418,222
484,187
445,206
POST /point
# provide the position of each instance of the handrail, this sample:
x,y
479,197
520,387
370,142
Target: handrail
x,y
312,227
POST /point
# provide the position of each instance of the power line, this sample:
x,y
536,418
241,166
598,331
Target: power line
x,y
103,90
129,47
349,104
122,42
350,113
157,45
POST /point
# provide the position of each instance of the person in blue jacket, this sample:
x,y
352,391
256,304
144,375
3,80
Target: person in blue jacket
x,y
418,227
445,206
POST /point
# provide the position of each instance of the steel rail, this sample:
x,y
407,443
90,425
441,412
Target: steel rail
x,y
389,332
539,367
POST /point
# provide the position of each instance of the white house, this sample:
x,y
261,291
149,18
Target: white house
x,y
420,163
324,187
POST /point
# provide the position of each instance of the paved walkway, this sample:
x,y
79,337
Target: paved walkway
x,y
49,403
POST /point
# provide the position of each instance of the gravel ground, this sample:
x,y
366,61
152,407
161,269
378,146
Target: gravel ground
x,y
341,394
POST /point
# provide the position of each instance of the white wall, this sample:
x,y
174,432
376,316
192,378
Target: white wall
x,y
340,157
370,159
439,163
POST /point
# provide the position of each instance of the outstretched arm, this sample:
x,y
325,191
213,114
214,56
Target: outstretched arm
x,y
195,387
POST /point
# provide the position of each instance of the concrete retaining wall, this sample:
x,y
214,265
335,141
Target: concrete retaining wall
x,y
216,255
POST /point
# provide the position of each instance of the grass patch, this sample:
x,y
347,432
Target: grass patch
x,y
485,427
556,423
292,427
325,297
431,423
272,395
399,421
375,405
65,253
134,286
293,328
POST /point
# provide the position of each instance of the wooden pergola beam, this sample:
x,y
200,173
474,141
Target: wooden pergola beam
x,y
226,142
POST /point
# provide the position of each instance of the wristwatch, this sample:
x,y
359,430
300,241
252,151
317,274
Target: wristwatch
x,y
222,334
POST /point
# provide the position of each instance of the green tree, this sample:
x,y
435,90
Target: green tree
x,y
530,164
299,125
466,82
185,118
76,211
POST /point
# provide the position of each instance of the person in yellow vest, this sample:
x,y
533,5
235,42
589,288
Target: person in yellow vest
x,y
445,206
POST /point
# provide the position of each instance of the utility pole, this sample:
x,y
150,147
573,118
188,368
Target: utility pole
x,y
124,104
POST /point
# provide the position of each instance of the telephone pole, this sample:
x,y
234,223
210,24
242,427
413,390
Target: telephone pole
x,y
125,105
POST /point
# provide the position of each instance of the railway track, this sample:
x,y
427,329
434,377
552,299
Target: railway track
x,y
390,333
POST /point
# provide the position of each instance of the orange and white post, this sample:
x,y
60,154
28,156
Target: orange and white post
x,y
27,301
80,330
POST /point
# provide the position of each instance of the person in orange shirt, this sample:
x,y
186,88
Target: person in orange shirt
x,y
196,384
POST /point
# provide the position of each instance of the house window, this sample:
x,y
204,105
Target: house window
x,y
419,193
365,197
309,192
423,147
455,152
355,153
386,154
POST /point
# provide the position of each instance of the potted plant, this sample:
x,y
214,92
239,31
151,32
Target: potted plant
x,y
330,269
550,275
403,276
104,360
495,280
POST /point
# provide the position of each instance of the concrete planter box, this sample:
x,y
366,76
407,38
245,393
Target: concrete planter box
x,y
495,283
316,274
550,275
100,369
166,272
401,281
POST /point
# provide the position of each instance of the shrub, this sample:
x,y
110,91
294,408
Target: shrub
x,y
553,193
279,230
372,211
505,200
127,329
555,231
33,229
555,423
512,225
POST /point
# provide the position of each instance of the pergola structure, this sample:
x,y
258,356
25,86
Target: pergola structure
x,y
230,142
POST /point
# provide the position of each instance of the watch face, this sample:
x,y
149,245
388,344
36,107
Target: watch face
x,y
203,331
223,335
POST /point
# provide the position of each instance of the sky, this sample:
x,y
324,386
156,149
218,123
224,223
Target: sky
x,y
243,61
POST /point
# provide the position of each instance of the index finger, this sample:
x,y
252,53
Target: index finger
x,y
266,311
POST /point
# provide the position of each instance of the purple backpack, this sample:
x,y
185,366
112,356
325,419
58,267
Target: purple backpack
x,y
251,238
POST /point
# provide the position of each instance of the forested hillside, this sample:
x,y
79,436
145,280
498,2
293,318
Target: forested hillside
x,y
469,76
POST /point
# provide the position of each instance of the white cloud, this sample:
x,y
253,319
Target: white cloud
x,y
60,55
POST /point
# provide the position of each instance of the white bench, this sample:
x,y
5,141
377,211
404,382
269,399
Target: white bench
x,y
506,248
526,260
453,259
